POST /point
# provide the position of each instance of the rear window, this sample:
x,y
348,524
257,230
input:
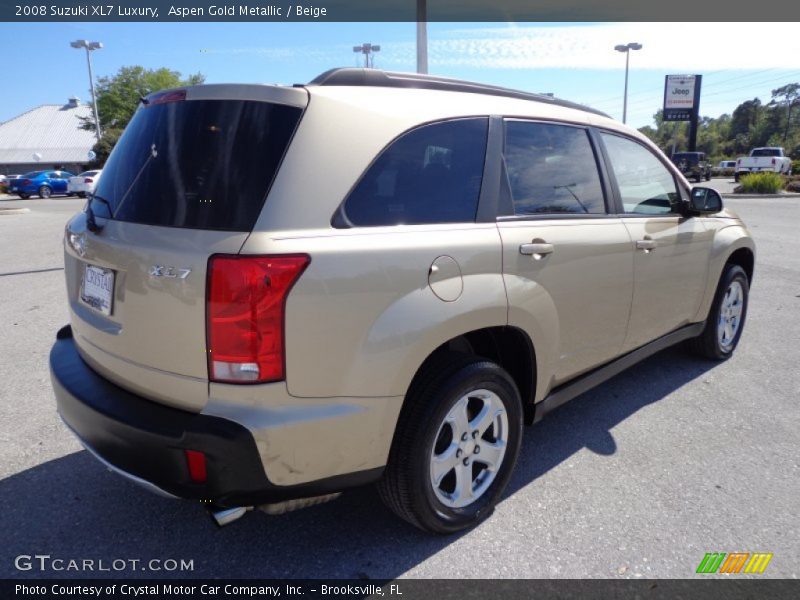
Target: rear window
x,y
766,152
203,164
88,174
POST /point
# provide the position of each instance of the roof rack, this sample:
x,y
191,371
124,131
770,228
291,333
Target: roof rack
x,y
349,76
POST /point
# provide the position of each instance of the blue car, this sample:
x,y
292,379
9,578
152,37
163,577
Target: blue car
x,y
43,183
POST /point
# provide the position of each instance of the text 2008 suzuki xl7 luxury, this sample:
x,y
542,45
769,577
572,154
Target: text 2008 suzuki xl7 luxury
x,y
278,293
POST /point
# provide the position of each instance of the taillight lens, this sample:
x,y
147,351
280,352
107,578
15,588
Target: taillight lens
x,y
246,301
26,182
88,180
773,161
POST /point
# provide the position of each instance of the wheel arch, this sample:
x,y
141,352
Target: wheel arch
x,y
732,245
508,346
745,258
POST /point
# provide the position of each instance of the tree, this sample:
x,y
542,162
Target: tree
x,y
104,146
119,96
787,96
745,117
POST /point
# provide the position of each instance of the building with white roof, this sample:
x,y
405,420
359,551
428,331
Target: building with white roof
x,y
46,137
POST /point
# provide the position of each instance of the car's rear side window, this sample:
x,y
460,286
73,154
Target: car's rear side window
x,y
431,174
552,169
201,164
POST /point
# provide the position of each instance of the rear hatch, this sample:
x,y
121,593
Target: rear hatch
x,y
187,180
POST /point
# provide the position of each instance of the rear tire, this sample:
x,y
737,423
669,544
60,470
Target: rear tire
x,y
726,318
456,444
45,192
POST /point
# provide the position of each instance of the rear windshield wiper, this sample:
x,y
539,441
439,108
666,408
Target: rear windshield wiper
x,y
91,223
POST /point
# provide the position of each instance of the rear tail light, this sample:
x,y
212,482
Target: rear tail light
x,y
88,180
773,161
246,301
26,182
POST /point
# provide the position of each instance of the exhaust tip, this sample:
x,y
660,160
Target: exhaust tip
x,y
226,516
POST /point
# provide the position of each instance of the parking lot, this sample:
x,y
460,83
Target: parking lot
x,y
638,478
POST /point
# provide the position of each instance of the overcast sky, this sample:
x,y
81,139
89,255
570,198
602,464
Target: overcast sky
x,y
739,61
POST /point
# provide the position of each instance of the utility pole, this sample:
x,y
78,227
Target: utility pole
x,y
91,46
422,36
626,48
368,50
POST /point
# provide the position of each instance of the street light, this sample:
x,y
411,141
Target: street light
x,y
368,50
626,48
90,46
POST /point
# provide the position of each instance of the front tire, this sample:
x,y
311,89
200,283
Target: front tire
x,y
726,318
456,445
45,192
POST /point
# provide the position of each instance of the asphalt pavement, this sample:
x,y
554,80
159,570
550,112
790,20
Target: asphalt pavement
x,y
639,477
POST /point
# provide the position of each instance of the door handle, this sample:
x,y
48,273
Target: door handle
x,y
646,244
534,249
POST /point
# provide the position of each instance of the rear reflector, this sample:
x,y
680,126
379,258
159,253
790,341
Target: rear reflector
x,y
197,465
246,300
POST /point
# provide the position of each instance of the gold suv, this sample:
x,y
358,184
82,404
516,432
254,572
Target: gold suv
x,y
277,293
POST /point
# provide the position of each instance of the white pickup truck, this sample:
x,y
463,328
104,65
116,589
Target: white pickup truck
x,y
764,159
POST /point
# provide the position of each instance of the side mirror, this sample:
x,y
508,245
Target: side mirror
x,y
705,200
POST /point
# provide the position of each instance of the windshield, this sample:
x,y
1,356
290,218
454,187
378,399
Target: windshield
x,y
203,164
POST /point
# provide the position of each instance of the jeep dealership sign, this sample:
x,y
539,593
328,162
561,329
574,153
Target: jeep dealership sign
x,y
681,97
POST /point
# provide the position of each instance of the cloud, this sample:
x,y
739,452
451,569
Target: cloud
x,y
678,46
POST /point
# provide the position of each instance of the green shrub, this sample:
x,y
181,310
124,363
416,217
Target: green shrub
x,y
762,183
796,167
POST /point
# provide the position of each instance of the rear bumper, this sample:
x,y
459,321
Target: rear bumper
x,y
146,441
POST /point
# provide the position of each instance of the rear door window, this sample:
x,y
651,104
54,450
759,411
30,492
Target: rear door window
x,y
552,169
201,164
431,174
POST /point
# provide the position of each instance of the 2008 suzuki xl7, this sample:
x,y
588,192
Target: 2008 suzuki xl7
x,y
277,293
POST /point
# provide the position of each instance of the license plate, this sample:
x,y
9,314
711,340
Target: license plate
x,y
97,288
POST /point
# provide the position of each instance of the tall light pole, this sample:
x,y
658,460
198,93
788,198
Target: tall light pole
x,y
626,48
368,50
90,46
422,36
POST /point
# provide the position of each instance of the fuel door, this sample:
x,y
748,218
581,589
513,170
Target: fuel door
x,y
444,278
